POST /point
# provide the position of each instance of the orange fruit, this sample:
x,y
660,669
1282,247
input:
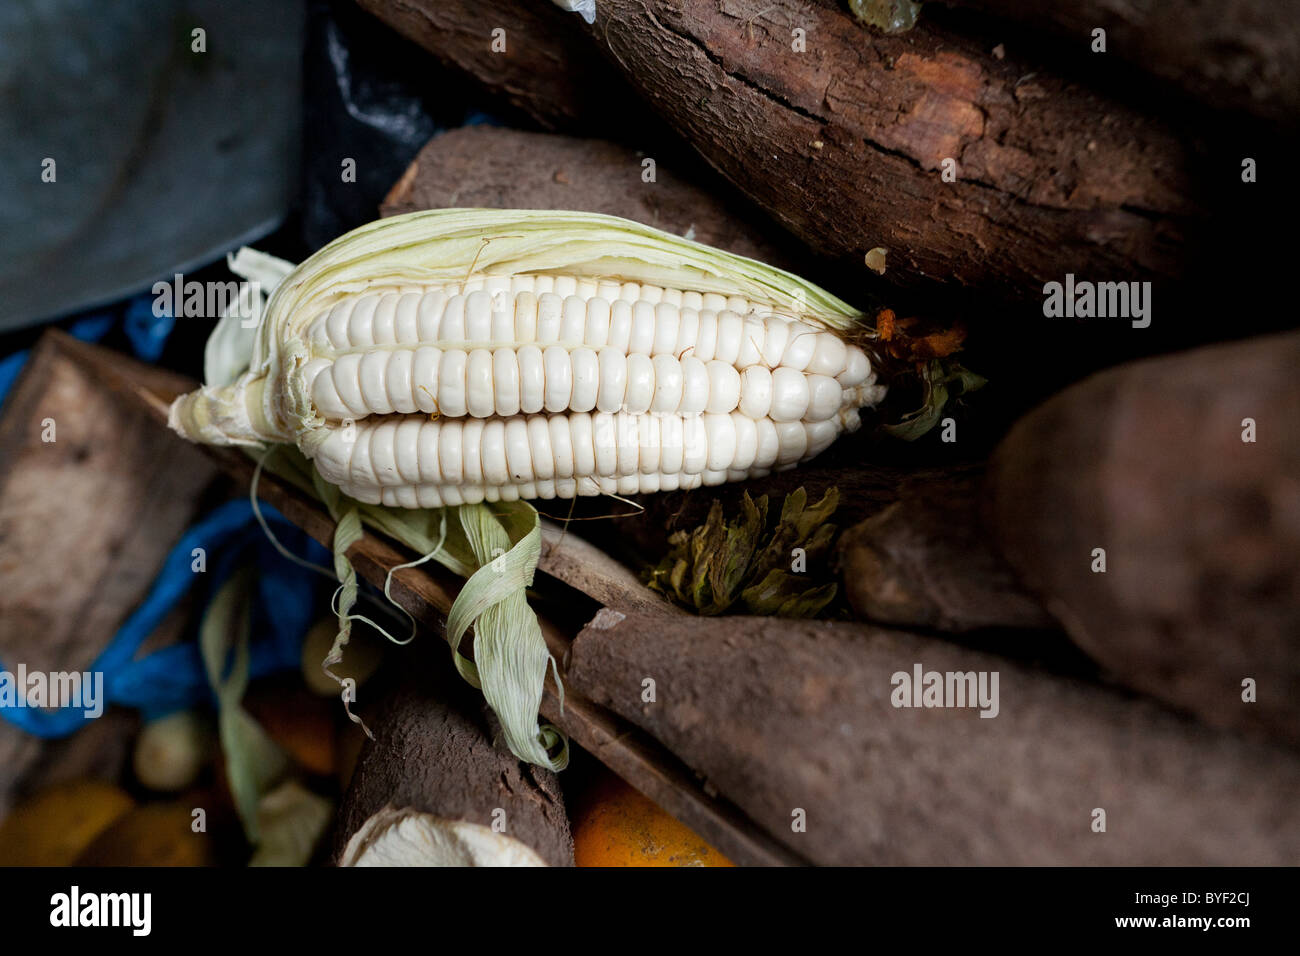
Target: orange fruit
x,y
54,826
156,834
297,720
617,826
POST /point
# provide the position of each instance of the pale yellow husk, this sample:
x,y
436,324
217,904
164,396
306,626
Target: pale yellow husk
x,y
266,403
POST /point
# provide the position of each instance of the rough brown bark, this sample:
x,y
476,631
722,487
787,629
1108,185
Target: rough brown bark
x,y
1233,54
1200,529
844,143
433,753
782,716
588,569
925,561
481,166
546,70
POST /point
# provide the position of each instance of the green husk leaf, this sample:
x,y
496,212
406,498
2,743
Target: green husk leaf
x,y
291,820
510,654
707,549
254,762
230,347
808,603
496,549
942,380
444,244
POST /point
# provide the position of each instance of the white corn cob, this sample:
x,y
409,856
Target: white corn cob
x,y
582,388
426,393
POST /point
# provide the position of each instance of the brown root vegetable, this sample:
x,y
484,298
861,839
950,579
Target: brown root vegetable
x,y
479,166
795,722
432,789
535,64
1233,54
349,739
92,497
925,561
1146,468
861,128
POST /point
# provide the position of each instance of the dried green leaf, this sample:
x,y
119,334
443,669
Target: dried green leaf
x,y
782,594
795,528
943,380
254,762
718,565
707,546
511,657
819,545
738,553
677,578
809,603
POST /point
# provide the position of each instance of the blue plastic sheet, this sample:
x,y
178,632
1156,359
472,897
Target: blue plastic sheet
x,y
147,332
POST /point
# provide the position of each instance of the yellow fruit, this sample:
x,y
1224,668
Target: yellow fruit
x,y
156,834
52,827
171,751
617,826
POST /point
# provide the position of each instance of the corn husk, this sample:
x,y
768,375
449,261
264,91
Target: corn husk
x,y
267,403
